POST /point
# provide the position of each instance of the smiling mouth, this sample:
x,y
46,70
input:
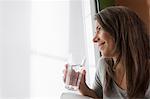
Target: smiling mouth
x,y
101,45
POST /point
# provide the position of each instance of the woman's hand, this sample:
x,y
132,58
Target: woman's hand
x,y
84,89
65,73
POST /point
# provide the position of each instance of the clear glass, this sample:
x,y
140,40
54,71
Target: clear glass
x,y
73,76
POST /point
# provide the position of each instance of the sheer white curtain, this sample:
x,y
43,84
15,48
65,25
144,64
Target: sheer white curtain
x,y
88,7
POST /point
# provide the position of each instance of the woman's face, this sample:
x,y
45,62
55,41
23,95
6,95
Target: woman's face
x,y
104,41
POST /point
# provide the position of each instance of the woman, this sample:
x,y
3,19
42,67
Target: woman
x,y
124,68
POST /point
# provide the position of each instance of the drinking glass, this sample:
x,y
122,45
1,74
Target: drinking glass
x,y
74,74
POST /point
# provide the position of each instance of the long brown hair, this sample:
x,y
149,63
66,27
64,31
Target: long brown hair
x,y
132,42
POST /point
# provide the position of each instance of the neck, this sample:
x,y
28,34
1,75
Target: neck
x,y
120,74
119,66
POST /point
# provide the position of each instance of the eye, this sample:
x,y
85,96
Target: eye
x,y
98,29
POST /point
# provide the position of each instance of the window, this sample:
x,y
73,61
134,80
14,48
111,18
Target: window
x,y
58,27
49,45
36,36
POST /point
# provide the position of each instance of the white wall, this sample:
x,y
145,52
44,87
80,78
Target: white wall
x,y
14,49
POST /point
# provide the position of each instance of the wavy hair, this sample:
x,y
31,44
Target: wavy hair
x,y
133,43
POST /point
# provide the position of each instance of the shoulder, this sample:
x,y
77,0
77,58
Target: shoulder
x,y
147,92
101,62
100,69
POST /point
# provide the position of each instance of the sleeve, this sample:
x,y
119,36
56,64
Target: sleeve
x,y
97,86
148,93
99,78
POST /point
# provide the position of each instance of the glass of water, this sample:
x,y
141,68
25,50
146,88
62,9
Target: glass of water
x,y
74,74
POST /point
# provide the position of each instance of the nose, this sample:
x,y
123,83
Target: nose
x,y
96,38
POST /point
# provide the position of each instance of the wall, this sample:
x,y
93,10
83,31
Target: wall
x,y
14,49
139,6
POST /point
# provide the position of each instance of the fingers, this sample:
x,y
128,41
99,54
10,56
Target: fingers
x,y
84,75
65,72
83,86
83,78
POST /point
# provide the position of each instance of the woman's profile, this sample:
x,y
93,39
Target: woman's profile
x,y
123,71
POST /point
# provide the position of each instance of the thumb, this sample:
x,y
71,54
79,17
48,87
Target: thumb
x,y
83,79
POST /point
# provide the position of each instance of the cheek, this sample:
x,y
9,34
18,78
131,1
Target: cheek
x,y
111,44
108,39
109,50
109,47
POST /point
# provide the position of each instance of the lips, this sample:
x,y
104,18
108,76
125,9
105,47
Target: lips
x,y
101,45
